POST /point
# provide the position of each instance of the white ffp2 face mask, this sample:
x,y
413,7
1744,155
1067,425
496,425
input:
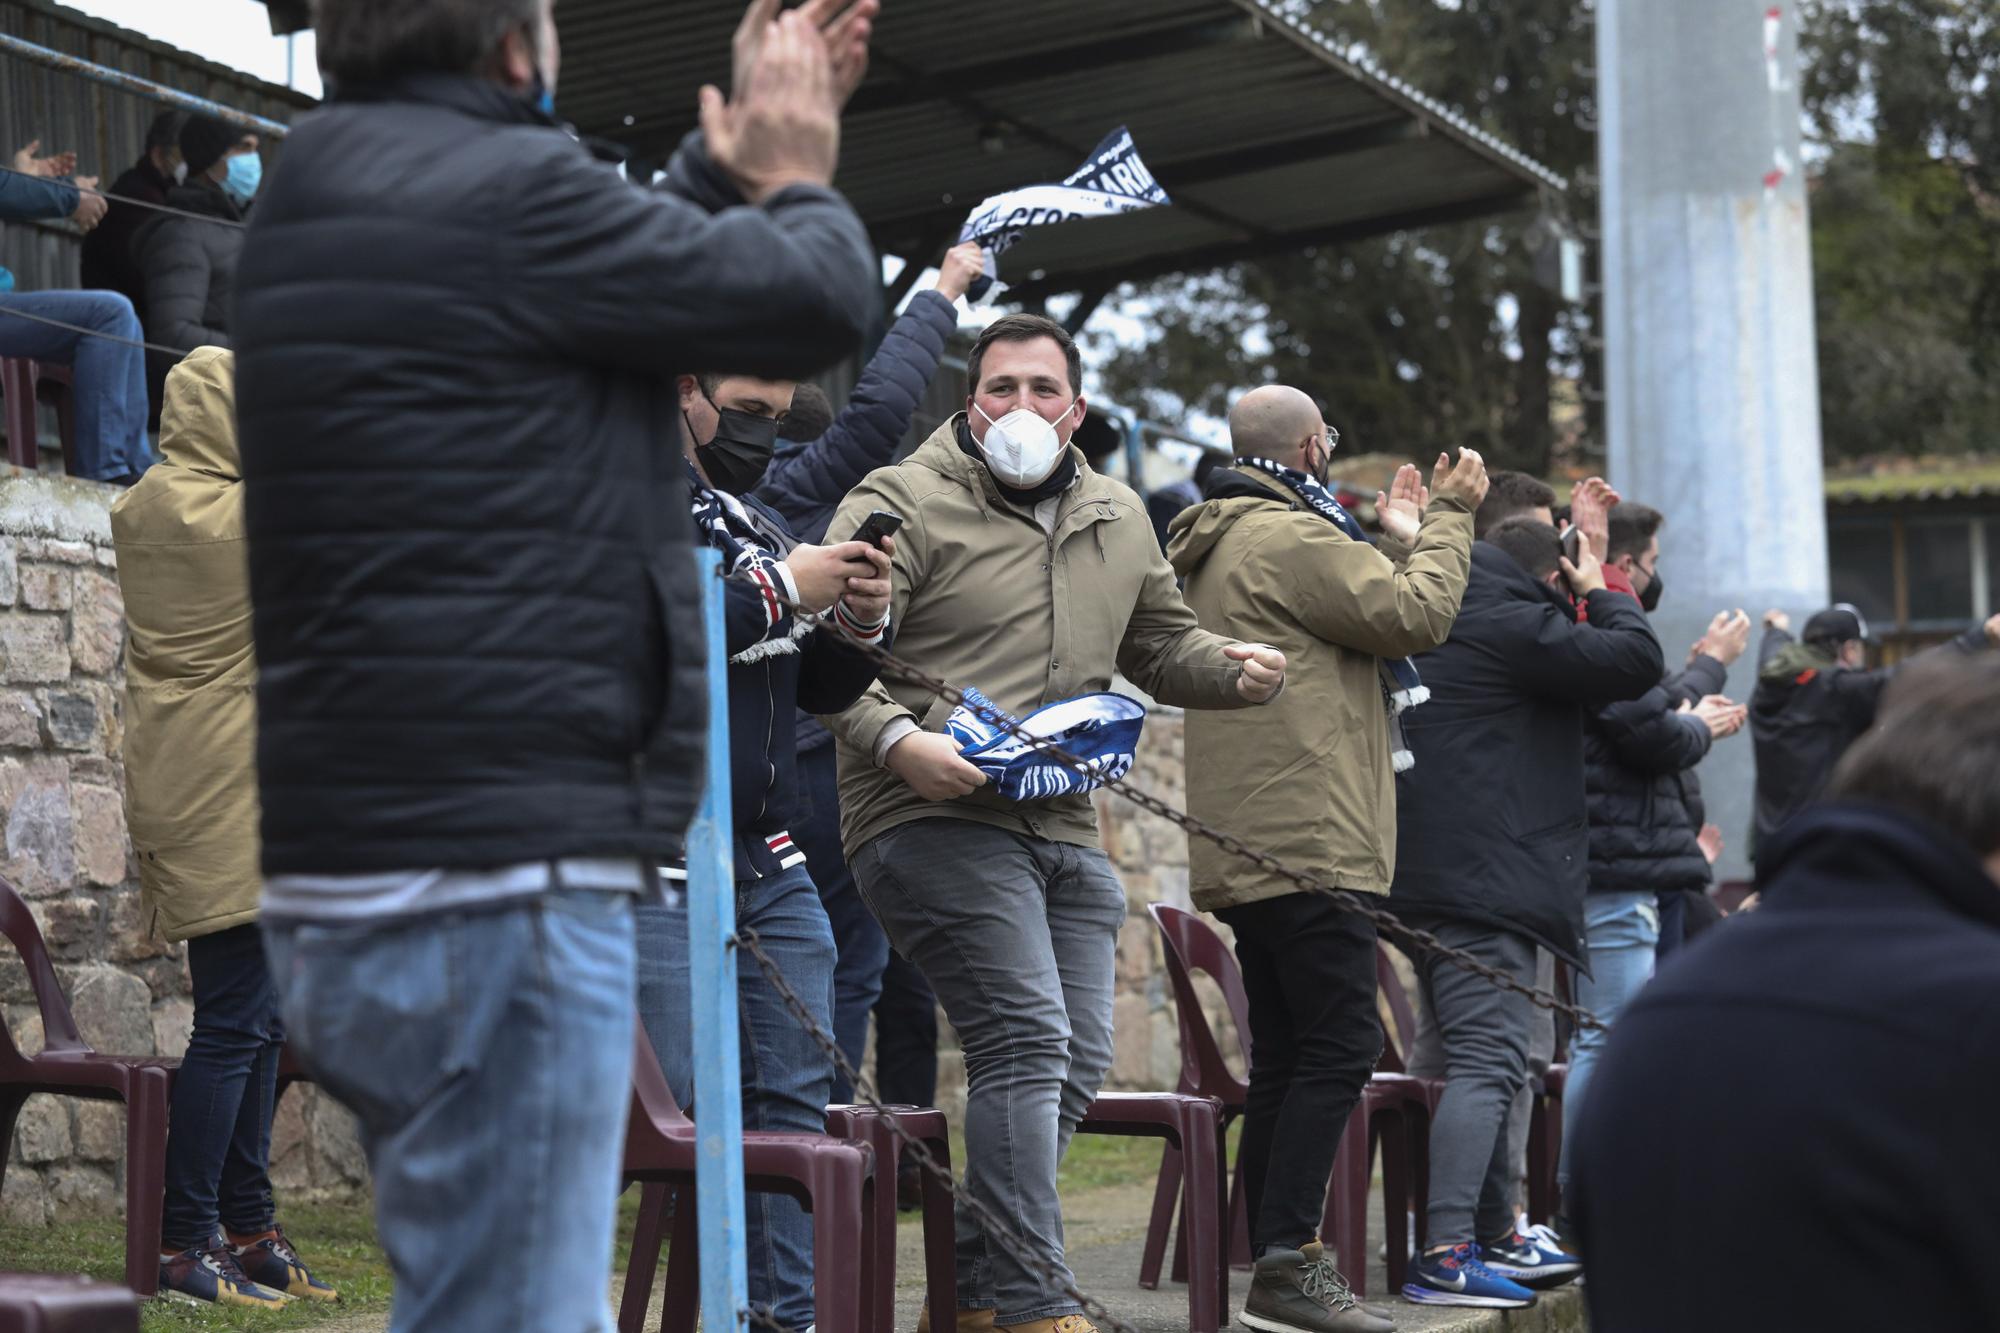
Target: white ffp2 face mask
x,y
1021,448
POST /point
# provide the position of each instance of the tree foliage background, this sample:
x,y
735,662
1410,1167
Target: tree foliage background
x,y
1443,337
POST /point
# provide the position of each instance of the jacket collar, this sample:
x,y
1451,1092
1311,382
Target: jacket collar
x,y
941,454
1246,483
1859,853
482,99
1501,578
205,197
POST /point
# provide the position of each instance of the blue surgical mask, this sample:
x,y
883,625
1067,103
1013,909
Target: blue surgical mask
x,y
246,173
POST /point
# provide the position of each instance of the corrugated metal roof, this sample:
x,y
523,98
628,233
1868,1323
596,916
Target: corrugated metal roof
x,y
1267,134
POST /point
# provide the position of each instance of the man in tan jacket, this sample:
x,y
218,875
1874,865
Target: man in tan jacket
x,y
191,803
1272,556
1025,574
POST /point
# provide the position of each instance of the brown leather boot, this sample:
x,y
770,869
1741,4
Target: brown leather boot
x,y
1068,1323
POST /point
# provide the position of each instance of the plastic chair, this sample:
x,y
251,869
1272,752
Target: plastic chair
x,y
862,1124
1394,1114
68,1067
1545,1125
832,1179
59,1303
1193,1125
1191,946
21,381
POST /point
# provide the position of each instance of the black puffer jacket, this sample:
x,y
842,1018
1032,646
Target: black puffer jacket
x,y
1806,710
190,268
1644,819
1490,822
476,616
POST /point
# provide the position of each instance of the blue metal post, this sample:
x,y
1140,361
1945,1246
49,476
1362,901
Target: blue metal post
x,y
132,83
711,889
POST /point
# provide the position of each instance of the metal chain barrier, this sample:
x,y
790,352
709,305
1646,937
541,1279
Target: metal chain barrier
x,y
1386,923
124,199
996,1228
6,309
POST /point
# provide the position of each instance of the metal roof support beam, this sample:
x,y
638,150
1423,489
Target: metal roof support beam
x,y
1087,302
1231,252
1090,58
65,63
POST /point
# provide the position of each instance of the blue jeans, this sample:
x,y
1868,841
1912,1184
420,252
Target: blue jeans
x,y
219,1132
109,379
1624,930
1019,936
861,950
787,1078
488,1056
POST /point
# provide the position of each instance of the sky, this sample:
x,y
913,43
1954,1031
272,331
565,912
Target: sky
x,y
234,32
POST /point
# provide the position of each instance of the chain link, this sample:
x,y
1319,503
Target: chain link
x,y
1386,923
995,1227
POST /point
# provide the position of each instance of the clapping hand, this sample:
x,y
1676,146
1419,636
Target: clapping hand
x,y
1401,508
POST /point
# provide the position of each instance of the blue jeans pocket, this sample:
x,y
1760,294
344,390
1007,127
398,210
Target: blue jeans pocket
x,y
378,1015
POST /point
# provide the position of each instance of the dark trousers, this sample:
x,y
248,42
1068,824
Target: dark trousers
x,y
868,976
1309,972
906,1035
219,1128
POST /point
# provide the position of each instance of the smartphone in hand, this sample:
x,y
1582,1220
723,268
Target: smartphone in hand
x,y
879,524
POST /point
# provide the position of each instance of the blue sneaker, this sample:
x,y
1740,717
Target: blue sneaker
x,y
208,1273
1532,1258
1457,1277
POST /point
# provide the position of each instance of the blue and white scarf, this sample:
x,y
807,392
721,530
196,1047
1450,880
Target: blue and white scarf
x,y
1101,730
755,549
1401,686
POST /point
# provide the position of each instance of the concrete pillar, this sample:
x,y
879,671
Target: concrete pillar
x,y
1713,392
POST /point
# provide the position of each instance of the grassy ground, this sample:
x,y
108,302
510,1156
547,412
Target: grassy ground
x,y
338,1240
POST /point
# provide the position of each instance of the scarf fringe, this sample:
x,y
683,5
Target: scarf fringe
x,y
757,652
1410,698
1404,761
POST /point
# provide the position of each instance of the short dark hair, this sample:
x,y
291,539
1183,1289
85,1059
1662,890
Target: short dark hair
x,y
1533,544
810,415
1205,466
372,41
1934,749
1509,495
1021,329
165,131
1633,527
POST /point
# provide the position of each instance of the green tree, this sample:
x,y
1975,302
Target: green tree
x,y
1423,339
1906,224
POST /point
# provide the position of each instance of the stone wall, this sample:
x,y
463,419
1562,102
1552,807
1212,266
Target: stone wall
x,y
62,633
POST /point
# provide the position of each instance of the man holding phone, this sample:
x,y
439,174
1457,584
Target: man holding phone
x,y
1023,572
1492,844
780,659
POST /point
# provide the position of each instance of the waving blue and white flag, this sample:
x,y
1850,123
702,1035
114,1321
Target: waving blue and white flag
x,y
1102,730
1113,180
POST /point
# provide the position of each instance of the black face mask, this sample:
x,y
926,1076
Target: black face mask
x,y
736,458
1650,599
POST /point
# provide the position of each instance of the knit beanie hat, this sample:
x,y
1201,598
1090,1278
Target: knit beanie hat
x,y
204,140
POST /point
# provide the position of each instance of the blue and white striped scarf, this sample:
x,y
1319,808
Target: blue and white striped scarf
x,y
1102,730
1401,686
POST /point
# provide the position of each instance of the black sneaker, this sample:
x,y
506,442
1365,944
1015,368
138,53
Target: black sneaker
x,y
1292,1292
1535,1258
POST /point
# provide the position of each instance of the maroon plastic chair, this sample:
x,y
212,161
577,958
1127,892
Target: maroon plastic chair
x,y
1191,946
862,1124
68,1067
21,383
1193,1125
1545,1125
832,1179
60,1303
1394,1116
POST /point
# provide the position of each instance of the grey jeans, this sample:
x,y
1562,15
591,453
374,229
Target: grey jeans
x,y
1018,936
1485,1031
1427,1061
